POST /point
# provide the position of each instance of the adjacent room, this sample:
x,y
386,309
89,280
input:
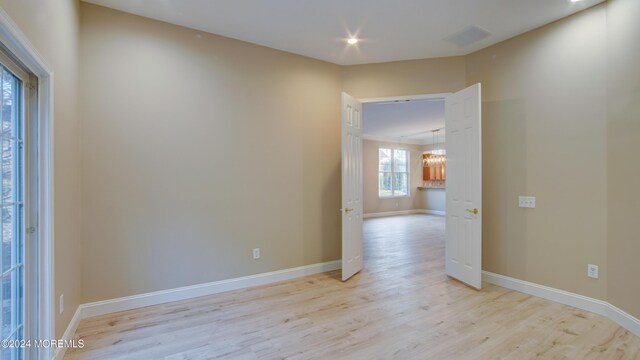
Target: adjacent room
x,y
404,177
404,157
353,179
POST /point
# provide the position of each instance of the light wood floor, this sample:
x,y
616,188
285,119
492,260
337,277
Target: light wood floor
x,y
401,306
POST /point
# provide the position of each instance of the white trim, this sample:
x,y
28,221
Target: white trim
x,y
564,297
188,292
623,319
389,213
68,334
434,212
395,197
545,292
20,46
160,297
403,212
405,98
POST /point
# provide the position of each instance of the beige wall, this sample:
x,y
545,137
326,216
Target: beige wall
x,y
622,155
198,148
433,199
401,78
544,132
430,199
552,108
545,124
521,78
52,27
374,204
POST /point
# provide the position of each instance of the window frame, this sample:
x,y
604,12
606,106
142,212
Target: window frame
x,y
24,202
393,172
40,134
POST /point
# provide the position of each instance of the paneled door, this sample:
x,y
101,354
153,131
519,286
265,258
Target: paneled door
x,y
352,261
464,186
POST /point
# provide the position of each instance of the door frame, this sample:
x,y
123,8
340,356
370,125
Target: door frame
x,y
20,46
434,96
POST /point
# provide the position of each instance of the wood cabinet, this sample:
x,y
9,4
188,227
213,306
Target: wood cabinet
x,y
431,173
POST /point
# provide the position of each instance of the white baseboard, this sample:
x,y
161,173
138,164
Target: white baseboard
x,y
623,319
188,292
68,334
564,297
433,212
389,213
402,212
160,297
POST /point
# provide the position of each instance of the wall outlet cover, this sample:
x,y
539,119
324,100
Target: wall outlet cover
x,y
527,202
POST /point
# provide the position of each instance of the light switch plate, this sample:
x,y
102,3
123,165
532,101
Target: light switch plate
x,y
527,202
592,271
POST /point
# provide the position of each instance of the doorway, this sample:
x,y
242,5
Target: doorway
x,y
399,144
462,120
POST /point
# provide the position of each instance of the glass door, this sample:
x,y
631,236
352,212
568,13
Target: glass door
x,y
12,251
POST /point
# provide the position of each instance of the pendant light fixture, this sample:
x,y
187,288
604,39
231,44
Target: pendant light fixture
x,y
437,156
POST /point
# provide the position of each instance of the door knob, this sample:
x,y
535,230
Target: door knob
x,y
474,211
346,210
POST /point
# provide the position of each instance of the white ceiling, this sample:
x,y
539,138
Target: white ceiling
x,y
406,122
390,30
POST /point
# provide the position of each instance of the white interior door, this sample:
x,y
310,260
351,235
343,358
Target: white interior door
x,y
351,186
464,186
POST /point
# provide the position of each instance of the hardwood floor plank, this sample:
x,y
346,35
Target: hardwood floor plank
x,y
401,306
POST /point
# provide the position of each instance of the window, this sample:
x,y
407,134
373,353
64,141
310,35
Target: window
x,y
17,273
11,259
393,172
26,207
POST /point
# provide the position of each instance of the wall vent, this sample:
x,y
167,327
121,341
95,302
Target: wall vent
x,y
468,36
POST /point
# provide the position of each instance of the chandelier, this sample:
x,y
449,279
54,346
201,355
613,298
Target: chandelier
x,y
437,157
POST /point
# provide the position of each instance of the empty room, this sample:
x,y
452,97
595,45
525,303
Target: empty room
x,y
340,179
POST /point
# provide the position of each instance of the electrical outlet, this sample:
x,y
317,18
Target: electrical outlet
x,y
61,304
397,204
592,271
256,253
527,201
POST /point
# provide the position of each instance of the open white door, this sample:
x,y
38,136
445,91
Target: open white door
x,y
351,186
463,122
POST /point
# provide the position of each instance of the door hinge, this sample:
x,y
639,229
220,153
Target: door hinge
x,y
30,86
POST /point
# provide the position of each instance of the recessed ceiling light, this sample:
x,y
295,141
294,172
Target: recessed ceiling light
x,y
575,0
352,41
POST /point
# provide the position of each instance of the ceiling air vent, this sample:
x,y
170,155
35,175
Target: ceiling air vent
x,y
468,36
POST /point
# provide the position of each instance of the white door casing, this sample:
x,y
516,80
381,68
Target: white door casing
x,y
352,261
463,122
